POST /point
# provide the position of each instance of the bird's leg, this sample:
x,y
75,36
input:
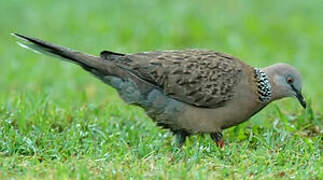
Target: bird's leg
x,y
217,137
180,137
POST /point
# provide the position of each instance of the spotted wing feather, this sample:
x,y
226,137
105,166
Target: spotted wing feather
x,y
201,78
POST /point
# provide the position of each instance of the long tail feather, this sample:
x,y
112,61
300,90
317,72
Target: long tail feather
x,y
87,61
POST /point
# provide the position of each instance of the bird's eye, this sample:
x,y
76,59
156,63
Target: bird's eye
x,y
290,80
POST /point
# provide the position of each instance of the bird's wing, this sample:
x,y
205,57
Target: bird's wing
x,y
201,78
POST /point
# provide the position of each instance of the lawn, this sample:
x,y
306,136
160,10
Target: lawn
x,y
59,122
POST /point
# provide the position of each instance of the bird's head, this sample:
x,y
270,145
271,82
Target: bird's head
x,y
286,81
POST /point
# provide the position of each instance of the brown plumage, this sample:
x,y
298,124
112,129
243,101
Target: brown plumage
x,y
187,91
201,78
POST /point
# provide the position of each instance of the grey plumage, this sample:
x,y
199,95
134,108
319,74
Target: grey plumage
x,y
188,91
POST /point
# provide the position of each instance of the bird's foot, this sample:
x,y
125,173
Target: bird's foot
x,y
217,137
220,143
180,138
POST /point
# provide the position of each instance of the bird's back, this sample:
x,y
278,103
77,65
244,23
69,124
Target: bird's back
x,y
201,78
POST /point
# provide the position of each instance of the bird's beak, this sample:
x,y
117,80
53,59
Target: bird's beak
x,y
300,97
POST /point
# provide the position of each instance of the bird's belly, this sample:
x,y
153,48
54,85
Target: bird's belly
x,y
177,115
204,120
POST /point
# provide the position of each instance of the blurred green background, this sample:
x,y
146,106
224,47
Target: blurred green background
x,y
40,91
260,33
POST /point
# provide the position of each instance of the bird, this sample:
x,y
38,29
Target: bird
x,y
190,91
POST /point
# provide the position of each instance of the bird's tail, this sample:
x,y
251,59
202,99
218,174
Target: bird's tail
x,y
87,61
98,66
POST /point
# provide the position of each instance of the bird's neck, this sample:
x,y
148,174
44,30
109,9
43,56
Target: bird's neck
x,y
264,89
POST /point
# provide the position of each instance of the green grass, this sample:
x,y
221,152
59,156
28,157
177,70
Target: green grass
x,y
59,122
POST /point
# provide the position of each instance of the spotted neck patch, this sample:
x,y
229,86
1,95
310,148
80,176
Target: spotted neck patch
x,y
263,86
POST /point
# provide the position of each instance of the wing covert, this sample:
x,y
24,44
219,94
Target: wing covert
x,y
201,78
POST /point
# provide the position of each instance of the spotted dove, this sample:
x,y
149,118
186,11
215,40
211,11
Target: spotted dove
x,y
187,91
